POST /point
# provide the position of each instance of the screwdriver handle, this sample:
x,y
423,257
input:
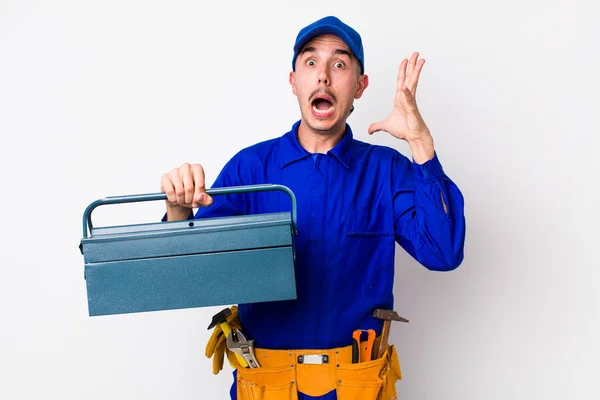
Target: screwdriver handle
x,y
355,346
370,341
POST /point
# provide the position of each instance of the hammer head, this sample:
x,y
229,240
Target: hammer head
x,y
219,318
388,315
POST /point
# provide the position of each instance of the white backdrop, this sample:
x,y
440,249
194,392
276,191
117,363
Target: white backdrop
x,y
101,98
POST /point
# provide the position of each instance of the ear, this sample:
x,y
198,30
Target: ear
x,y
293,81
363,83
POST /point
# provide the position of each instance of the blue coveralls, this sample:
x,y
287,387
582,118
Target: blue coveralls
x,y
353,203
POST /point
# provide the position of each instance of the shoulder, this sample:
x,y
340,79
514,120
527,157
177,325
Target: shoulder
x,y
257,153
251,162
260,148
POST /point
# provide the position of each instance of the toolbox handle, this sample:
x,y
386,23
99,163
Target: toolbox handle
x,y
87,215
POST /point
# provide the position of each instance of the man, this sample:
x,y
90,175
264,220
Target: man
x,y
355,200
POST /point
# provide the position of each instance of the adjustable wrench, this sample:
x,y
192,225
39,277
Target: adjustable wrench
x,y
236,342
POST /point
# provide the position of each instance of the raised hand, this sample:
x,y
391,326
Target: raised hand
x,y
405,121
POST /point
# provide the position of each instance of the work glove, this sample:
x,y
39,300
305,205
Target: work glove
x,y
217,344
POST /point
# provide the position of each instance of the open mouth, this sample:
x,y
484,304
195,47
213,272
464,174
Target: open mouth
x,y
322,105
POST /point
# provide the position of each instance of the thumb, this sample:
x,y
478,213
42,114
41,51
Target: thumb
x,y
376,127
201,198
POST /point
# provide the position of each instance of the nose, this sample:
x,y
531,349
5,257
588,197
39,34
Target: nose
x,y
324,76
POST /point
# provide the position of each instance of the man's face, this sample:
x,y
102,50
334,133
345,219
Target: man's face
x,y
326,81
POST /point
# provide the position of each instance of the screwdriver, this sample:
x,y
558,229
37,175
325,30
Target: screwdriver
x,y
356,345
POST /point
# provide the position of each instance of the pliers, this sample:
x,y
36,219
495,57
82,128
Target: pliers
x,y
368,354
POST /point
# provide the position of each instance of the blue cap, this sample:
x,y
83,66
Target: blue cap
x,y
333,26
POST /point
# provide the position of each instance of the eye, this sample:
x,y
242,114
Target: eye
x,y
339,64
310,62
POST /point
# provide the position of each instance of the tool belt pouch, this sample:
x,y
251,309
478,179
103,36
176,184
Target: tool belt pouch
x,y
371,380
267,383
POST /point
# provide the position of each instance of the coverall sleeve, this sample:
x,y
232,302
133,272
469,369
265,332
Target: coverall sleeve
x,y
429,213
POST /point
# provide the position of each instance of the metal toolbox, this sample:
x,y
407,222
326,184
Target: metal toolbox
x,y
192,263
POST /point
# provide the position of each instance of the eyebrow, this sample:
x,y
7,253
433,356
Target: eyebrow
x,y
336,51
307,50
342,51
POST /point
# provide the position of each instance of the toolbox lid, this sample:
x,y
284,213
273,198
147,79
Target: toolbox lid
x,y
206,235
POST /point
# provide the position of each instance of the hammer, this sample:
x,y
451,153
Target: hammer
x,y
220,318
387,316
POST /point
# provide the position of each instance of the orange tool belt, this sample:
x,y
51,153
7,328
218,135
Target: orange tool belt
x,y
282,374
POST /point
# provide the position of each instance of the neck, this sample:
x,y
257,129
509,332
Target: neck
x,y
319,141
